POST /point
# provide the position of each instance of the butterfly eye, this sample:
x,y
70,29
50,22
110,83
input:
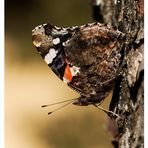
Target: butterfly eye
x,y
104,40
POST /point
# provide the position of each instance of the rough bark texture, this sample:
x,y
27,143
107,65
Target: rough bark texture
x,y
128,97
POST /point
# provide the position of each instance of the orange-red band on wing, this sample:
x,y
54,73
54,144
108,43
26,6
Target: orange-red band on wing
x,y
67,73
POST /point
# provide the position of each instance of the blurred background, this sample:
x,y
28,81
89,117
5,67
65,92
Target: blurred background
x,y
29,83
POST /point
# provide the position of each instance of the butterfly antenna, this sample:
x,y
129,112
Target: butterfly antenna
x,y
60,107
107,111
71,100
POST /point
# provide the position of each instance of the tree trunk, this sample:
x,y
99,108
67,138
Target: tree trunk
x,y
128,96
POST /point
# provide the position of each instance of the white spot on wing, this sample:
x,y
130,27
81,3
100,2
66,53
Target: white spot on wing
x,y
98,2
74,70
56,41
50,55
48,59
53,52
63,44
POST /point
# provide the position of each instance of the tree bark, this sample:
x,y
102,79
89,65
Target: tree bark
x,y
128,96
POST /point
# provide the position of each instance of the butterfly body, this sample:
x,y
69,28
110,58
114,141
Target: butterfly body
x,y
87,57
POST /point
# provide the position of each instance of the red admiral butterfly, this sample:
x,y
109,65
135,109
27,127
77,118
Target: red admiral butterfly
x,y
87,57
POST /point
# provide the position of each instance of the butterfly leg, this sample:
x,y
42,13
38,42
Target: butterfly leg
x,y
106,111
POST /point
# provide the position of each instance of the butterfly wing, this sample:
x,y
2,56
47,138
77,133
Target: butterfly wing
x,y
97,50
86,57
48,40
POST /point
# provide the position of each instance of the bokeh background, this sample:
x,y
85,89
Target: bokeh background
x,y
29,83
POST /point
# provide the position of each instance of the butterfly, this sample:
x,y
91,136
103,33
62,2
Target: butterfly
x,y
87,58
